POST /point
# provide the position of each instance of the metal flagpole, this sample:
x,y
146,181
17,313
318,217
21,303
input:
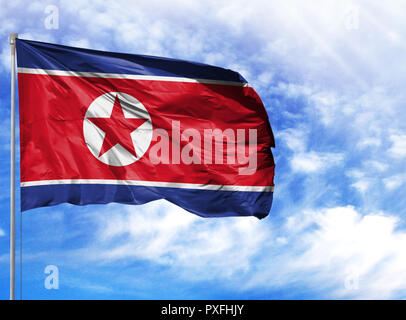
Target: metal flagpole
x,y
13,36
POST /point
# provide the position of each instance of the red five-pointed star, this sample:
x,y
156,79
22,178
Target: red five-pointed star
x,y
117,129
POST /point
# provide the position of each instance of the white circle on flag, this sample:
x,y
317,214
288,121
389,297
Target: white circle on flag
x,y
117,154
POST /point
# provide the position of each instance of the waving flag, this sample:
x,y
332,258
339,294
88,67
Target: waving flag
x,y
100,127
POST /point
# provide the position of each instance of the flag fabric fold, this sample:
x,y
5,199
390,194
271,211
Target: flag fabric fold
x,y
99,127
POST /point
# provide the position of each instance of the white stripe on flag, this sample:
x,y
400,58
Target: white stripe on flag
x,y
151,184
125,76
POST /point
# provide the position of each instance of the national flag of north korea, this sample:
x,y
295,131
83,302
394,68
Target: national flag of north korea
x,y
100,127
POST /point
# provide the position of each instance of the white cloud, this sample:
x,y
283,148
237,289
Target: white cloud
x,y
398,148
294,138
327,104
302,161
316,249
2,233
313,162
362,185
395,181
329,246
82,43
171,236
376,165
369,142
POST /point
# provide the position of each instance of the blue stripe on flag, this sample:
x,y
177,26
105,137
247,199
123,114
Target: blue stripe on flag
x,y
41,55
205,203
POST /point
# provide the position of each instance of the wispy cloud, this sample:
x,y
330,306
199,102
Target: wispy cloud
x,y
313,162
329,246
398,148
317,250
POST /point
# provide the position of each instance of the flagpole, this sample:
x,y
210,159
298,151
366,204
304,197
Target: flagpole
x,y
13,36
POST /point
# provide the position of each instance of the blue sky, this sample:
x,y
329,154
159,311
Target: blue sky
x,y
331,75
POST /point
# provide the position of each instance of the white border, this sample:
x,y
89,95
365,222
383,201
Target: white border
x,y
150,184
125,76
